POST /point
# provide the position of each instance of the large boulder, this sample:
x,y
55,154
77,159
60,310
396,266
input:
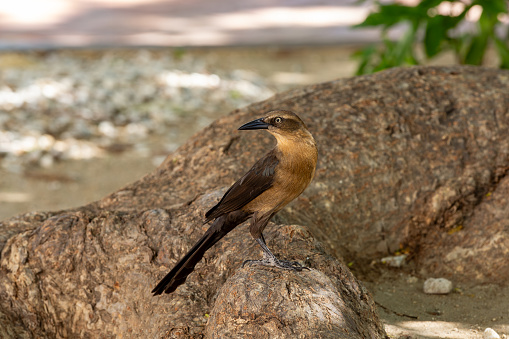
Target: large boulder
x,y
89,274
325,301
410,157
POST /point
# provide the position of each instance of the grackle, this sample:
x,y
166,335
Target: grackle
x,y
273,181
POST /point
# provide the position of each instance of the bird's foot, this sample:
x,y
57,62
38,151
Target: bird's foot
x,y
274,262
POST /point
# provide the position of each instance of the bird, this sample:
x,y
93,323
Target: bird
x,y
274,180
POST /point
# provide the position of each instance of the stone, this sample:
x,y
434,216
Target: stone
x,y
490,333
421,166
395,260
380,182
310,303
437,286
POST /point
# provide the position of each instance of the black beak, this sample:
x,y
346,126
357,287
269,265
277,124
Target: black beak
x,y
255,124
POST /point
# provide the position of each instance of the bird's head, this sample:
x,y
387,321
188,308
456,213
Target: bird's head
x,y
284,125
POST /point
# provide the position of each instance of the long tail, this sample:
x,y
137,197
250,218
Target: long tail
x,y
178,275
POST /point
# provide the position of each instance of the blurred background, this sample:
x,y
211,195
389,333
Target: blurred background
x,y
96,93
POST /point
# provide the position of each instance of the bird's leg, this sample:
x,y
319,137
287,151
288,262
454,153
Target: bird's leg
x,y
269,259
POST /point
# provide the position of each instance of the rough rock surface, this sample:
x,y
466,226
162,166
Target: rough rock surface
x,y
410,157
88,274
413,157
281,304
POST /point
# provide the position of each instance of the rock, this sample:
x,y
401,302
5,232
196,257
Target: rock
x,y
412,280
394,261
107,128
46,160
262,302
88,273
489,333
405,159
414,157
437,286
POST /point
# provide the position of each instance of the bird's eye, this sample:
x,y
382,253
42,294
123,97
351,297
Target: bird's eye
x,y
278,120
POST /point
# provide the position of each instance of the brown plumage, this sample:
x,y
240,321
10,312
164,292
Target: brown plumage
x,y
272,182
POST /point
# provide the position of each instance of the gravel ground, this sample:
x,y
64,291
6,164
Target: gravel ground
x,y
76,125
56,106
126,109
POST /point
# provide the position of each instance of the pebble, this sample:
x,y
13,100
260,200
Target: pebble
x,y
394,261
65,104
46,160
437,286
412,280
489,333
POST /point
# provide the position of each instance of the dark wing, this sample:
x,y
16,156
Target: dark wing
x,y
256,181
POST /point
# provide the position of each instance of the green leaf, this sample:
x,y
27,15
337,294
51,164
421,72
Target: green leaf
x,y
503,52
373,19
487,22
365,55
450,22
389,15
475,52
434,35
403,52
437,29
439,33
401,12
493,7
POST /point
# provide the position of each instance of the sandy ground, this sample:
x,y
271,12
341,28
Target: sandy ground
x,y
406,311
465,313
